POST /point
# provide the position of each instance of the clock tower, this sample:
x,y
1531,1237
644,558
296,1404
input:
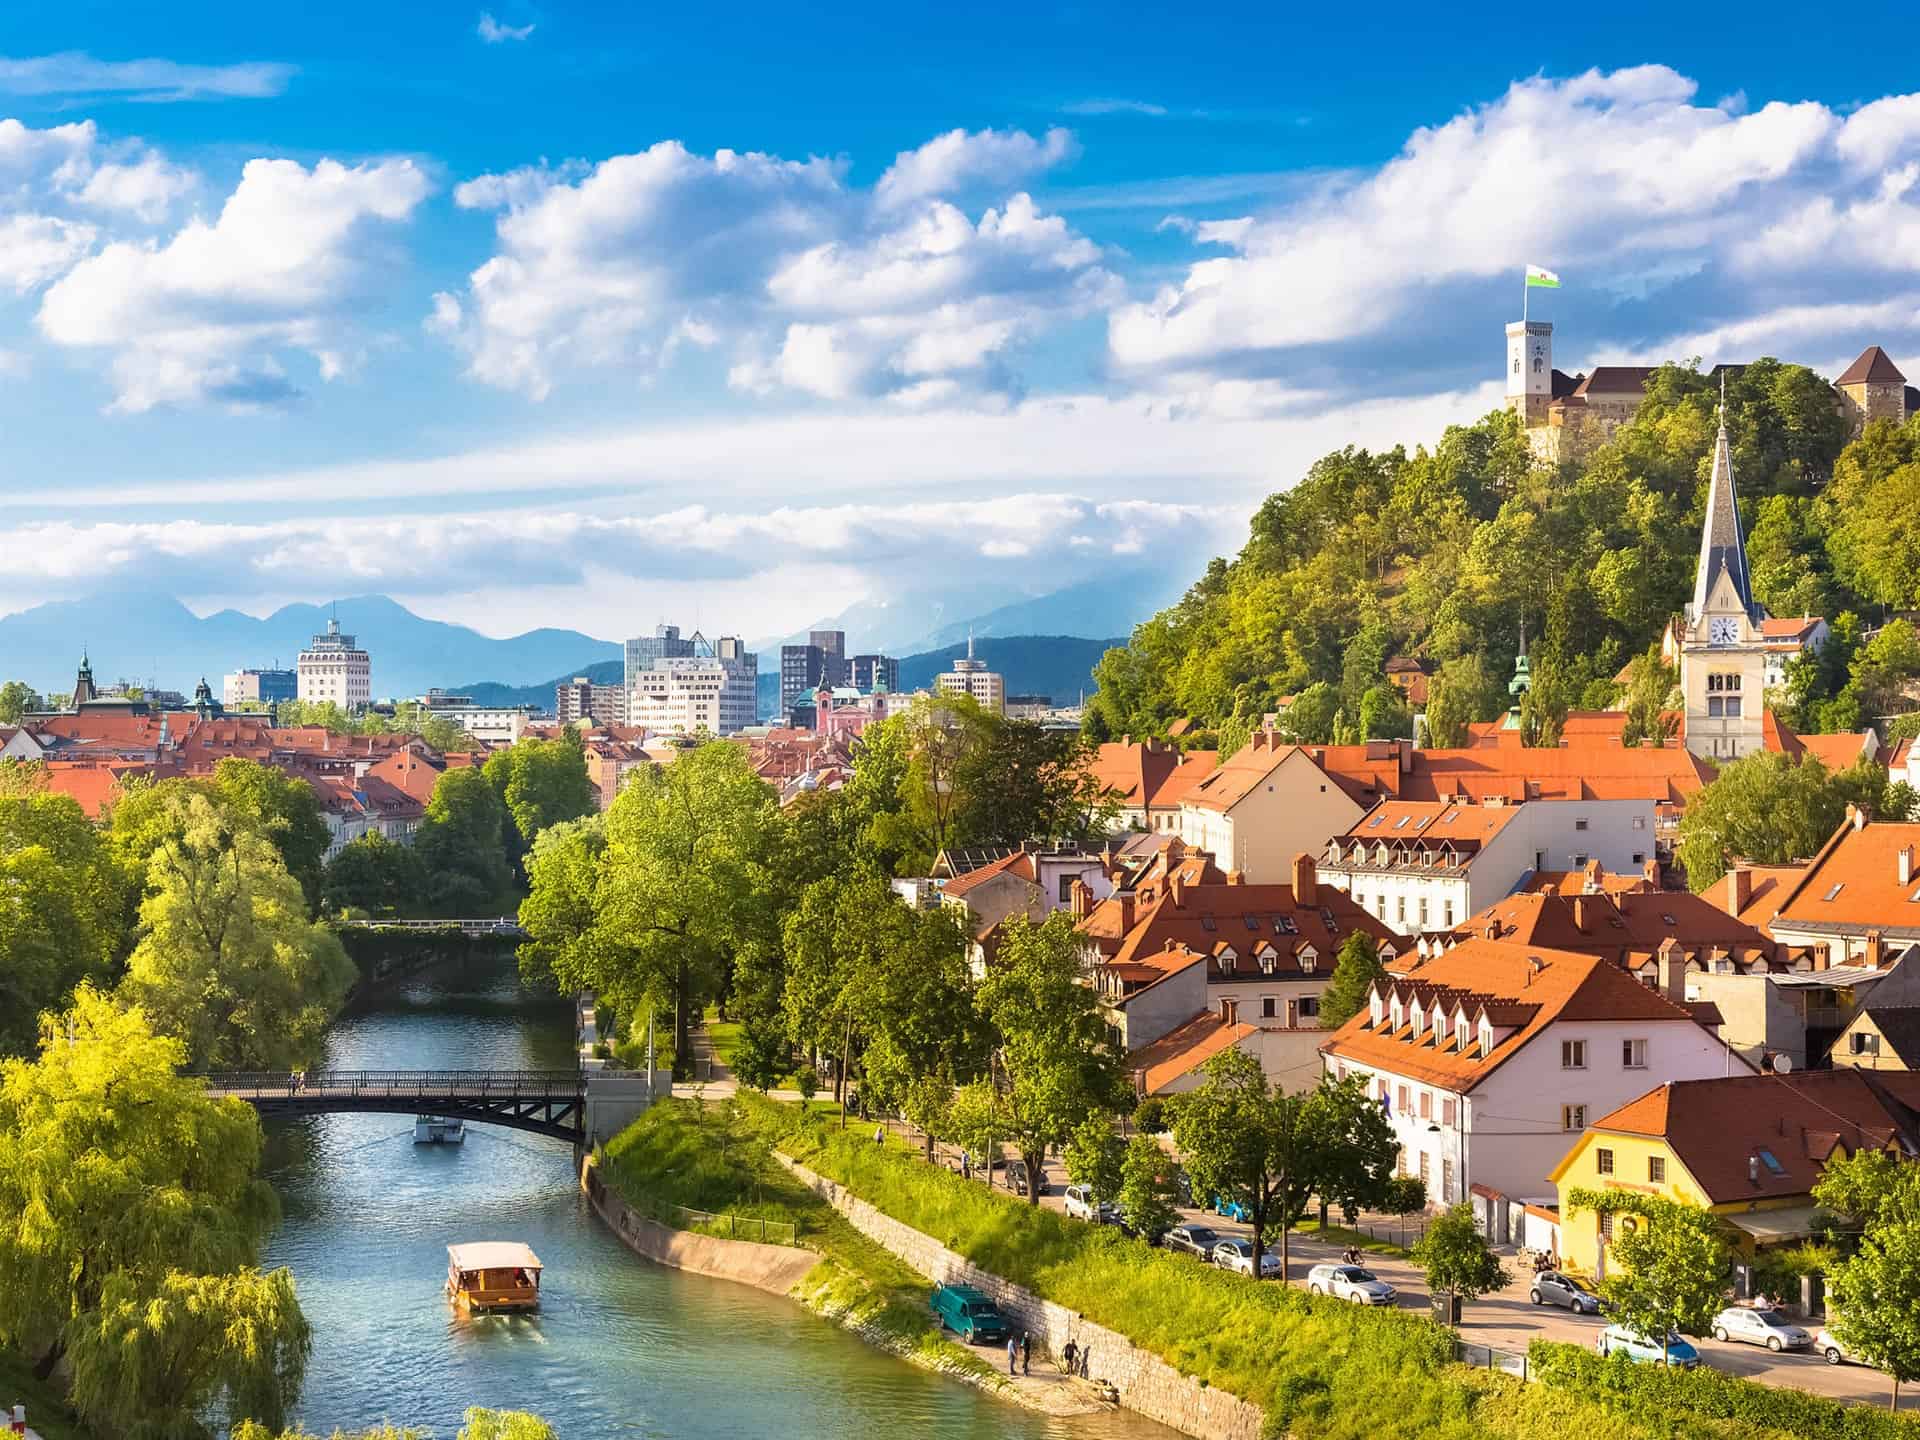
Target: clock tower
x,y
1723,662
1530,370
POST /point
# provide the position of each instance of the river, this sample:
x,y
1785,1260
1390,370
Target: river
x,y
620,1347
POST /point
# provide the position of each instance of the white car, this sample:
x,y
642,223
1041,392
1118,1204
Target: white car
x,y
1828,1344
1350,1282
1238,1255
1082,1206
1760,1327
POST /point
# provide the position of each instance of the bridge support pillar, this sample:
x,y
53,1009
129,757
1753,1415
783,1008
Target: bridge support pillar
x,y
615,1099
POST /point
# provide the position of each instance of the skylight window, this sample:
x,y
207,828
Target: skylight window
x,y
1374,824
1401,821
1206,923
1831,894
1253,922
1773,1165
1668,919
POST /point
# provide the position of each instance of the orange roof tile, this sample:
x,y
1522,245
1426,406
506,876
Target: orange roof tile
x,y
1767,886
1523,988
1854,882
1186,1049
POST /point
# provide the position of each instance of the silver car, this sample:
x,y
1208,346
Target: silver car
x,y
1350,1282
1238,1255
1760,1327
1082,1206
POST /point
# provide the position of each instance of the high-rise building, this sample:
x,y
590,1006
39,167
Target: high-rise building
x,y
971,677
259,687
805,668
676,686
875,672
580,699
333,668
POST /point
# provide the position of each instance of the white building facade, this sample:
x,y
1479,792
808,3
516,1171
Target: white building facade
x,y
333,668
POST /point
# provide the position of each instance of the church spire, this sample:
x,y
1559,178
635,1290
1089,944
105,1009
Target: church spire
x,y
1723,544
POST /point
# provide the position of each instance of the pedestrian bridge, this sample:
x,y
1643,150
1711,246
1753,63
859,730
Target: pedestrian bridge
x,y
582,1106
506,926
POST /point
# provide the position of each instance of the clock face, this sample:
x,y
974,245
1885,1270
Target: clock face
x,y
1724,631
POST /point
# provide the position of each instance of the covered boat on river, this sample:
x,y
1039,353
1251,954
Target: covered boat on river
x,y
493,1275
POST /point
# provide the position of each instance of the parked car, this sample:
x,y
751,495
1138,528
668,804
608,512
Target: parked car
x,y
1232,1209
1238,1255
1550,1287
1015,1177
1760,1327
1828,1344
1118,1218
969,1314
1192,1240
1635,1346
1082,1205
1350,1282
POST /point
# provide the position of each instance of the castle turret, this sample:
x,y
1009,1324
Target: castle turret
x,y
1530,369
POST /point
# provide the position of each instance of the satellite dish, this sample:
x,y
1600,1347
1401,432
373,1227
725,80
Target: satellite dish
x,y
1782,1064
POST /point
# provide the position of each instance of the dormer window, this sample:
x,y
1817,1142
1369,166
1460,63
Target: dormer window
x,y
1486,1037
1399,1015
1309,957
1227,958
1461,1031
1376,1007
1267,958
1419,1020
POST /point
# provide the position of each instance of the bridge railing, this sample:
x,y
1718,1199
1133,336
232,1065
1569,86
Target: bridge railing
x,y
466,1083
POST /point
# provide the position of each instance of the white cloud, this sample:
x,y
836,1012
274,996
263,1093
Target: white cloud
x,y
493,32
1610,178
960,159
819,287
35,248
209,315
1114,107
75,73
146,188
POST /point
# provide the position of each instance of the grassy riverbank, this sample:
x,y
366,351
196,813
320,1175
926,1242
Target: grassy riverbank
x,y
46,1407
1322,1370
718,1157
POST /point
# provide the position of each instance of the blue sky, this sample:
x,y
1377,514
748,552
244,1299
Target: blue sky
x,y
584,315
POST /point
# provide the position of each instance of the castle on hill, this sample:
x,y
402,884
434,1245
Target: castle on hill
x,y
1567,416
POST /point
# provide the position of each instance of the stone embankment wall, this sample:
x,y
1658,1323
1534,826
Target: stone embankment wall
x,y
1146,1383
773,1268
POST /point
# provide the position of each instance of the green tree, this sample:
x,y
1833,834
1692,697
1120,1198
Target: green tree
x,y
374,874
1651,694
462,841
1875,1292
1360,1152
1019,780
1049,1038
227,959
117,1175
1355,969
1672,1259
282,808
1770,809
1309,720
1147,1191
542,782
1876,538
16,698
1094,1155
504,1425
560,913
1454,1256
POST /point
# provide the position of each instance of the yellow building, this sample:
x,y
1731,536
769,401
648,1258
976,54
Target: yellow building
x,y
1749,1148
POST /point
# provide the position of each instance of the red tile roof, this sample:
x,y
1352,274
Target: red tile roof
x,y
1627,929
1521,988
1019,863
1854,882
1767,886
1186,1049
1241,774
1725,1131
1874,366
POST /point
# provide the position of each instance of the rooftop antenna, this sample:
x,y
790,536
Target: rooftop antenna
x,y
969,642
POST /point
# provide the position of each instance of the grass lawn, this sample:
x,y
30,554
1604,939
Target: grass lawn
x,y
1341,1235
46,1407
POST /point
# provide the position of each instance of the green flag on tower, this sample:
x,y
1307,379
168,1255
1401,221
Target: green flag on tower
x,y
1539,279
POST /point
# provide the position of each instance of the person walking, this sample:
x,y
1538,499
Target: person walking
x,y
1086,1361
1013,1348
879,1134
1070,1355
1026,1352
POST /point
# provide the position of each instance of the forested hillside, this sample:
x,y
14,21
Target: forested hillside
x,y
1444,553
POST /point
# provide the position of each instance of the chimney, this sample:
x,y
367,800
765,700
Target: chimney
x,y
1653,871
1903,863
1493,929
1670,966
1875,957
1739,889
1235,877
1306,880
1126,739
1753,1169
1856,817
1080,898
1583,913
1125,897
1176,888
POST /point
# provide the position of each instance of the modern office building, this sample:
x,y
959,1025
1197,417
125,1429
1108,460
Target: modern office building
x,y
580,699
822,661
258,687
709,687
970,676
875,672
334,668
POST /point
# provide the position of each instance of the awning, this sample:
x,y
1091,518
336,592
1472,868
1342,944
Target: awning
x,y
1791,1222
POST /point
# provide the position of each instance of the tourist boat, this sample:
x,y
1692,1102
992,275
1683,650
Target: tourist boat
x,y
438,1130
493,1275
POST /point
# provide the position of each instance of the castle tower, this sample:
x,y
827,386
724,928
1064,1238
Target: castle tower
x,y
1530,369
1873,388
1722,661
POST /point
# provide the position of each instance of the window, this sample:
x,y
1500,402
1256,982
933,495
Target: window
x,y
1253,922
1310,1007
1400,1161
1384,1092
1423,912
1771,1161
1426,1104
1573,1117
1579,824
1639,857
1400,908
1835,891
1603,1162
1486,1037
1446,1181
1460,1032
1207,923
1863,1043
1266,1007
1633,1054
1402,1098
1656,1170
1639,822
1606,1220
1573,1054
1423,1167
1446,1110
1446,914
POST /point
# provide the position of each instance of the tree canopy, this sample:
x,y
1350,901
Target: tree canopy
x,y
1770,809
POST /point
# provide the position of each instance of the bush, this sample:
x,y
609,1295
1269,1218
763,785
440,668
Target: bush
x,y
1150,1115
1656,1395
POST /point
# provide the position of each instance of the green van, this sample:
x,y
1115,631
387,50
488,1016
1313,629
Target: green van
x,y
969,1314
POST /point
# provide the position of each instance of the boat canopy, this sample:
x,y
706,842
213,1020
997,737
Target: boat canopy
x,y
493,1255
